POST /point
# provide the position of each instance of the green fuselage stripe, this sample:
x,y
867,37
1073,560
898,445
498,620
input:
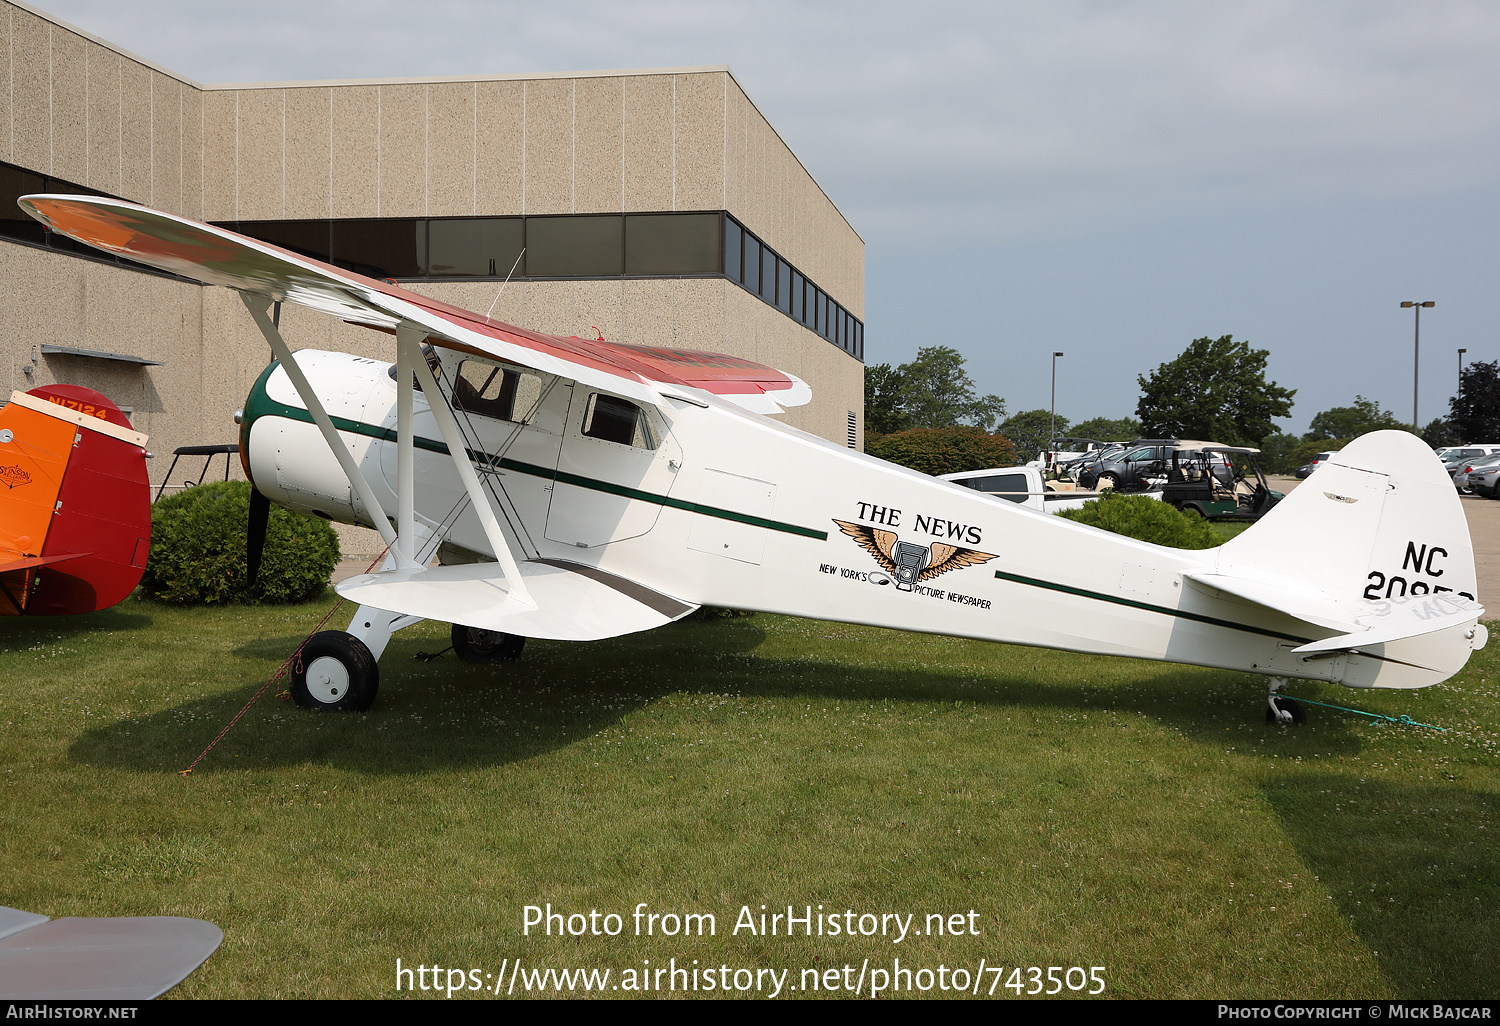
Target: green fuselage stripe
x,y
269,407
1149,607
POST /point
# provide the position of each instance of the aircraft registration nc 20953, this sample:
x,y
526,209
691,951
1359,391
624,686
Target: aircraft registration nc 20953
x,y
532,486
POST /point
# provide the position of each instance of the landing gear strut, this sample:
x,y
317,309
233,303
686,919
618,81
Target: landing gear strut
x,y
1283,710
475,645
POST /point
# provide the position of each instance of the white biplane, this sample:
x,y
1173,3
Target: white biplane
x,y
532,486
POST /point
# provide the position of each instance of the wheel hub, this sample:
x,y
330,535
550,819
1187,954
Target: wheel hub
x,y
327,679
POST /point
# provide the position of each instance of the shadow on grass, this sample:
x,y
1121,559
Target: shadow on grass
x,y
447,713
1412,869
438,714
18,633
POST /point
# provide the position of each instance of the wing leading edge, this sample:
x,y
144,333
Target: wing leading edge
x,y
215,256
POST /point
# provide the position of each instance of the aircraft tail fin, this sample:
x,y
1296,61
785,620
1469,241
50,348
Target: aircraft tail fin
x,y
1380,520
75,503
1374,546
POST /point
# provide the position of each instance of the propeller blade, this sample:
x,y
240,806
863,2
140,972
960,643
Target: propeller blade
x,y
255,534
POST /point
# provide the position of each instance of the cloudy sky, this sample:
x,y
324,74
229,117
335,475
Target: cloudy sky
x,y
1106,179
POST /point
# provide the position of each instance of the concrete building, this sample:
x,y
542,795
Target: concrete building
x,y
657,207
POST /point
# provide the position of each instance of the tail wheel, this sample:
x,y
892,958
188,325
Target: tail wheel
x,y
1287,705
335,672
476,645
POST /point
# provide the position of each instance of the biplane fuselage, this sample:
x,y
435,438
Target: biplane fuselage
x,y
530,485
710,505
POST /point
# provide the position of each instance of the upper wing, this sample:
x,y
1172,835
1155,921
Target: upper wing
x,y
215,256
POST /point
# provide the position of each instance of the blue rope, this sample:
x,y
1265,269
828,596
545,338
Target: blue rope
x,y
1402,720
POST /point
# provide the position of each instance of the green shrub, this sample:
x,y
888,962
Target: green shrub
x,y
949,450
198,550
1136,516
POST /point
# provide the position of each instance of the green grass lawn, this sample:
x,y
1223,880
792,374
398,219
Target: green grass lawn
x,y
1091,811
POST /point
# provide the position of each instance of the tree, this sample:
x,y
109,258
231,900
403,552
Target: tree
x,y
883,399
933,391
1030,432
1352,421
1102,429
1216,391
1439,433
947,450
1276,453
1475,411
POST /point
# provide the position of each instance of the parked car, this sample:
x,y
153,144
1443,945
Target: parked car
x,y
1464,472
1142,466
1023,486
1454,453
1486,481
1317,460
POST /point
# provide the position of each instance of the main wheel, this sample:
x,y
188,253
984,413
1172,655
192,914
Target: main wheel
x,y
335,672
475,645
1291,705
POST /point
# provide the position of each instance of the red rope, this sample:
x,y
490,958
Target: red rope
x,y
280,674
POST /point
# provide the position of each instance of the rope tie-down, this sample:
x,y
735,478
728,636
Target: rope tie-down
x,y
293,662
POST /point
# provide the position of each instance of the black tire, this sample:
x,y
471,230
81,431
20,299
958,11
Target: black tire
x,y
1193,507
1110,481
335,672
475,645
1291,705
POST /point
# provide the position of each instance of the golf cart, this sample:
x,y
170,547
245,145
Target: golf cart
x,y
1218,482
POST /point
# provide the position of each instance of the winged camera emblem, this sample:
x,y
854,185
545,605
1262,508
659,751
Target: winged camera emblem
x,y
908,563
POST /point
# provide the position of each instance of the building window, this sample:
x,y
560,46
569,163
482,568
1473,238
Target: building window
x,y
672,243
687,244
586,246
734,244
471,247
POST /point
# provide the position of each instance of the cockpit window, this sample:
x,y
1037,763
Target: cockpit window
x,y
611,419
498,391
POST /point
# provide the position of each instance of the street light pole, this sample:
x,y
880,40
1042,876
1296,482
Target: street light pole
x,y
1461,353
1052,433
1416,425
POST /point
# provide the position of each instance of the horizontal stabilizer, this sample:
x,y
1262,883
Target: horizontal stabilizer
x,y
1399,619
1283,596
134,958
32,562
574,601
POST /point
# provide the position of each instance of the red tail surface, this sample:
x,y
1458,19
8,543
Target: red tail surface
x,y
75,503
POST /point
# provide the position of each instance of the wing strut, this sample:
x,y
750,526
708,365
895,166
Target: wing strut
x,y
409,340
258,305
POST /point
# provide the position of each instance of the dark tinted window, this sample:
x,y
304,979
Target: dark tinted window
x,y
479,247
305,238
672,243
734,240
752,263
783,287
767,274
14,222
799,304
583,246
379,247
1004,486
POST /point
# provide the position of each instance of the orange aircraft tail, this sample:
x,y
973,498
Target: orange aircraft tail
x,y
75,503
